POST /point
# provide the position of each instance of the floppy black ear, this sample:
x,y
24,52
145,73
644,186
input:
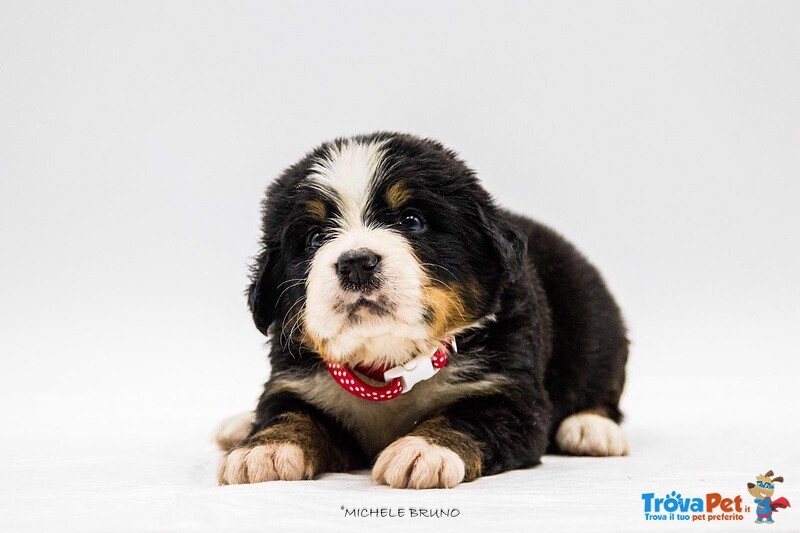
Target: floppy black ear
x,y
261,294
509,242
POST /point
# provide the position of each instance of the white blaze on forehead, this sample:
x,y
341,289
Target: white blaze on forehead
x,y
349,171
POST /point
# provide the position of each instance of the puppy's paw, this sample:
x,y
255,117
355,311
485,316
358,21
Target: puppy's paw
x,y
265,462
591,434
412,462
232,431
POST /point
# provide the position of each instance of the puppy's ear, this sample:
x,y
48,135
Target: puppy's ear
x,y
779,479
509,243
261,294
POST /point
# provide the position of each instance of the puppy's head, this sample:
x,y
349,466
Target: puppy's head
x,y
376,249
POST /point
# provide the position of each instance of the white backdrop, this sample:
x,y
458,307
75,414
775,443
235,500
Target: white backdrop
x,y
136,140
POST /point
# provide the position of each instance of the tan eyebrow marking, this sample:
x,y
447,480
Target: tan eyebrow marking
x,y
397,195
317,210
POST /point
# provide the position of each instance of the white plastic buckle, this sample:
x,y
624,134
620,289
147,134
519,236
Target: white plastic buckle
x,y
418,369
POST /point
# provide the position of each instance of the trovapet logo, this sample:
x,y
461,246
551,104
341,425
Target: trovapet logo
x,y
763,490
717,507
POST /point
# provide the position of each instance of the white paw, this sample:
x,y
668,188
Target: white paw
x,y
266,462
412,462
232,431
591,434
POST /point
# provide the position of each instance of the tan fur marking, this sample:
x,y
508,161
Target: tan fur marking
x,y
317,210
397,195
313,342
447,308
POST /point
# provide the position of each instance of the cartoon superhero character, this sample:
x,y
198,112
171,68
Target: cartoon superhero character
x,y
762,491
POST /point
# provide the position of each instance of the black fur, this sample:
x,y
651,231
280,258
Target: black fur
x,y
558,335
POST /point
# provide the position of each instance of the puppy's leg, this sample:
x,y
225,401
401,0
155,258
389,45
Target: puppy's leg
x,y
290,445
591,433
472,437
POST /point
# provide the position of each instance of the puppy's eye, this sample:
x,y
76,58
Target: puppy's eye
x,y
412,221
315,239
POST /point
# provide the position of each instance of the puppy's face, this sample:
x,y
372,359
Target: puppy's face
x,y
378,248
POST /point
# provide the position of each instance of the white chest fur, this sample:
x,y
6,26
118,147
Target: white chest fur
x,y
377,424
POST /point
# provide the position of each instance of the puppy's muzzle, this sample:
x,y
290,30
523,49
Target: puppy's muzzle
x,y
357,269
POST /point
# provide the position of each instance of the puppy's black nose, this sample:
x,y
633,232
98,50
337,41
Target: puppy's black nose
x,y
356,268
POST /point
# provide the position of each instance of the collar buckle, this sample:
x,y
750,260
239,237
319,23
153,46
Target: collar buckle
x,y
418,369
421,367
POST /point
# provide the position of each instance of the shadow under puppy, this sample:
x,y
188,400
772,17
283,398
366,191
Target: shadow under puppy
x,y
416,327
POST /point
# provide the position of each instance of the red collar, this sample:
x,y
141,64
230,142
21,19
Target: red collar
x,y
398,380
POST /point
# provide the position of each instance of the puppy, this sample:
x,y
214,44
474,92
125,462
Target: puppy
x,y
416,327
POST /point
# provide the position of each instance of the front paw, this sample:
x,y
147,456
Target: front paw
x,y
412,462
265,462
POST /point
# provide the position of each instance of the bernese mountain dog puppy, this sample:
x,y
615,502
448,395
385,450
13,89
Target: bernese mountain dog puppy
x,y
417,328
